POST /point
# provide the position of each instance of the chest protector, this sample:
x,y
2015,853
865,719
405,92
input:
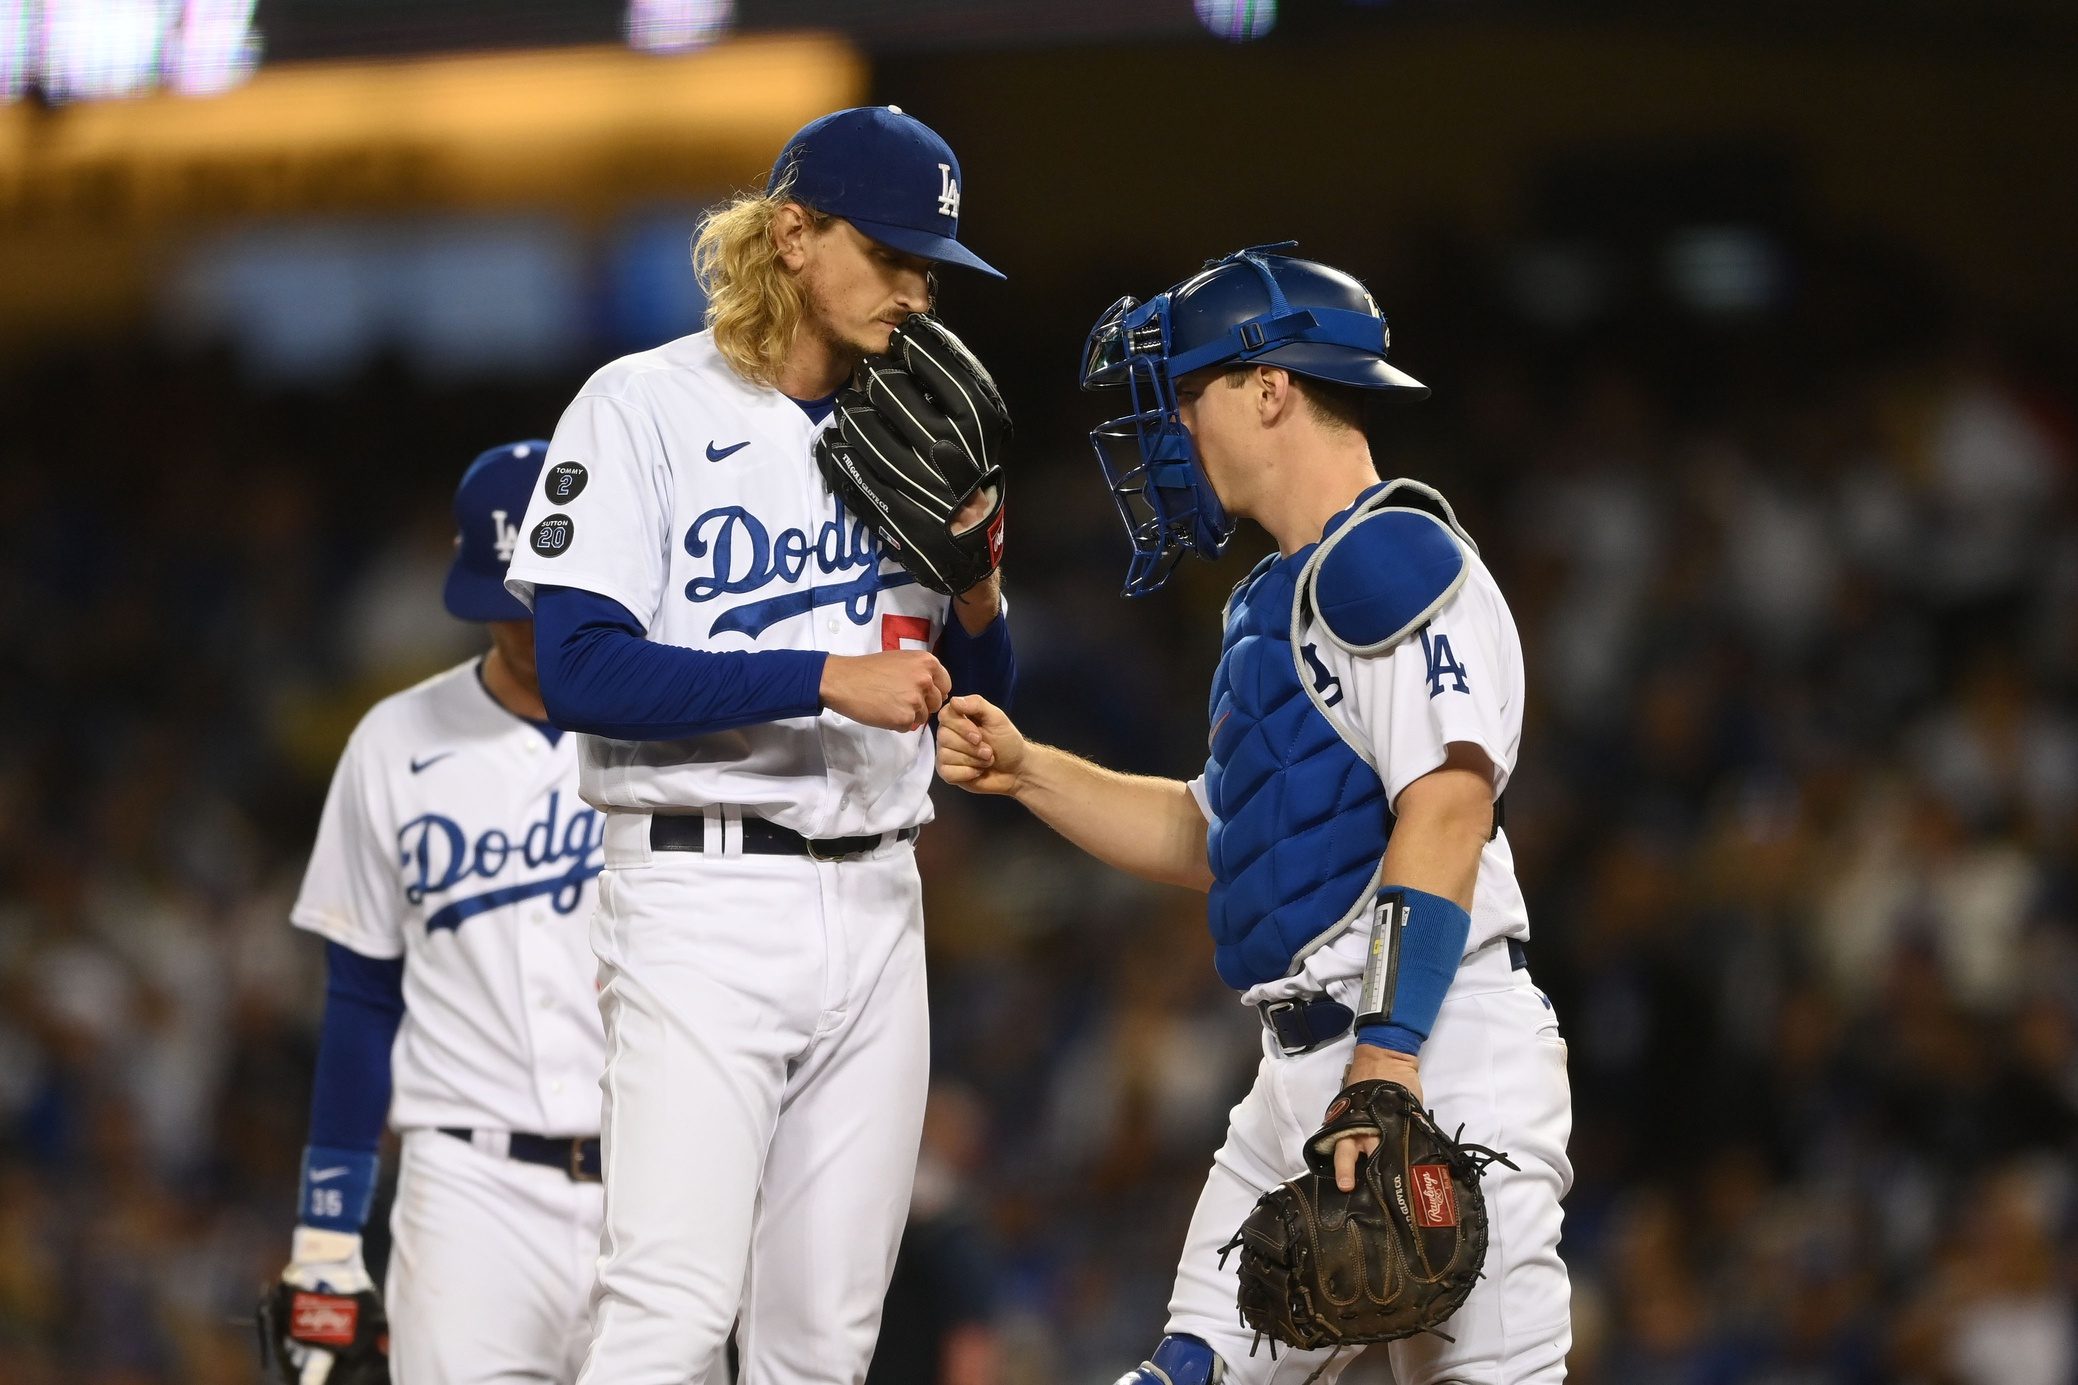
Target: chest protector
x,y
1299,816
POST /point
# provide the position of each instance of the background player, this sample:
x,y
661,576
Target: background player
x,y
753,681
1360,743
451,879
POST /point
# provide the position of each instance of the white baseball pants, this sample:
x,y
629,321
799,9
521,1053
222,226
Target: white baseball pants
x,y
490,1279
1495,1062
767,1060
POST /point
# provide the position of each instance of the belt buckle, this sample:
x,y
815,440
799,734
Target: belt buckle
x,y
577,1173
1270,1009
816,855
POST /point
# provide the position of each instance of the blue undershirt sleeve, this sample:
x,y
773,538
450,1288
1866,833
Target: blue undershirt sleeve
x,y
364,1004
983,663
350,1096
600,676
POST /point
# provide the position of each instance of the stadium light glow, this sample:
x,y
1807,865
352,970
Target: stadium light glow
x,y
1237,20
91,50
678,26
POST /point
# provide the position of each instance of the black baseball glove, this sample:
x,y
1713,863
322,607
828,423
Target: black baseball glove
x,y
919,433
297,1325
1323,1268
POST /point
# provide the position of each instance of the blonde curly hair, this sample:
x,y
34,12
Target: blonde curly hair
x,y
754,306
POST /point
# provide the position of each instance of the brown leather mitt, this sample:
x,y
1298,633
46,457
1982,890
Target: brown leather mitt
x,y
1323,1268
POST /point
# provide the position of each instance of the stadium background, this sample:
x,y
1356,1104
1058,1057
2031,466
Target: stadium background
x,y
1751,338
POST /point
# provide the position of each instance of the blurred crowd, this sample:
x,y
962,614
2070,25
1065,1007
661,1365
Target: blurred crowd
x,y
1797,815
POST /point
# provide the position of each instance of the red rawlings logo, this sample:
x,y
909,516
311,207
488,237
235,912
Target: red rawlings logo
x,y
995,538
1435,1201
323,1319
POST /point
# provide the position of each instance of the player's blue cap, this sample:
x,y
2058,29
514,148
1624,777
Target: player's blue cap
x,y
489,505
885,172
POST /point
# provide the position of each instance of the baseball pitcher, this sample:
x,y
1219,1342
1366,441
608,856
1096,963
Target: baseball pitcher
x,y
759,559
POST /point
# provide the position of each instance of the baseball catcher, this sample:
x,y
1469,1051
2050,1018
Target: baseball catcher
x,y
1365,719
1395,1255
916,451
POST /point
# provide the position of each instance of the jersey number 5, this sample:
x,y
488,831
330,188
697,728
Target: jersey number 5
x,y
896,631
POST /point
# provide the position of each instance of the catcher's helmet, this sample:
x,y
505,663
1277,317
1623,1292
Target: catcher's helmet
x,y
1256,305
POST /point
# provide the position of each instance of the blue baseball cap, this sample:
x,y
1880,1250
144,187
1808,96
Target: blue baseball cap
x,y
489,505
885,172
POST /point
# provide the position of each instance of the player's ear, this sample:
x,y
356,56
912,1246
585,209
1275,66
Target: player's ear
x,y
790,235
1274,395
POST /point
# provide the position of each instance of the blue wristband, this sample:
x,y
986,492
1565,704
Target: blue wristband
x,y
1397,1037
1430,945
338,1188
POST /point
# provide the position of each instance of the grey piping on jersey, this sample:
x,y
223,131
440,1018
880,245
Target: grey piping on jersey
x,y
1302,606
925,462
1342,925
976,447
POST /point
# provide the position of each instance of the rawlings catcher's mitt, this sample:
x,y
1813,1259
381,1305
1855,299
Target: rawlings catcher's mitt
x,y
1323,1268
918,433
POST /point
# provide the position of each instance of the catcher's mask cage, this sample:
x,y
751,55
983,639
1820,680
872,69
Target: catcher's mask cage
x,y
1238,310
1149,462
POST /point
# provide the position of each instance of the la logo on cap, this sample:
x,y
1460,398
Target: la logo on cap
x,y
948,192
508,534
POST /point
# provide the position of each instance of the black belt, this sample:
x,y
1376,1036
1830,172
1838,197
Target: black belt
x,y
576,1155
1303,1023
688,832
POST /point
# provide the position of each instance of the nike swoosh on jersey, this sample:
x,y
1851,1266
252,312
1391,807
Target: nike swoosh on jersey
x,y
430,761
715,454
326,1175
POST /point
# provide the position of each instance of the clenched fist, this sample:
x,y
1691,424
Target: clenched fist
x,y
897,691
978,747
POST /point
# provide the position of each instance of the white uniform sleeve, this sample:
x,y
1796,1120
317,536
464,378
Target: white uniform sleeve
x,y
352,890
1450,681
611,537
1200,797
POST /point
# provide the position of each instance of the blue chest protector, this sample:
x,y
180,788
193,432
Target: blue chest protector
x,y
1299,817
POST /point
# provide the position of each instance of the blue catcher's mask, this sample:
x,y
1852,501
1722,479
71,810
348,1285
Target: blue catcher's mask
x,y
1237,310
1168,506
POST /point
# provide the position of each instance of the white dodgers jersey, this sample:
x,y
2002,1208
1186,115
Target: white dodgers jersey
x,y
453,837
691,497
